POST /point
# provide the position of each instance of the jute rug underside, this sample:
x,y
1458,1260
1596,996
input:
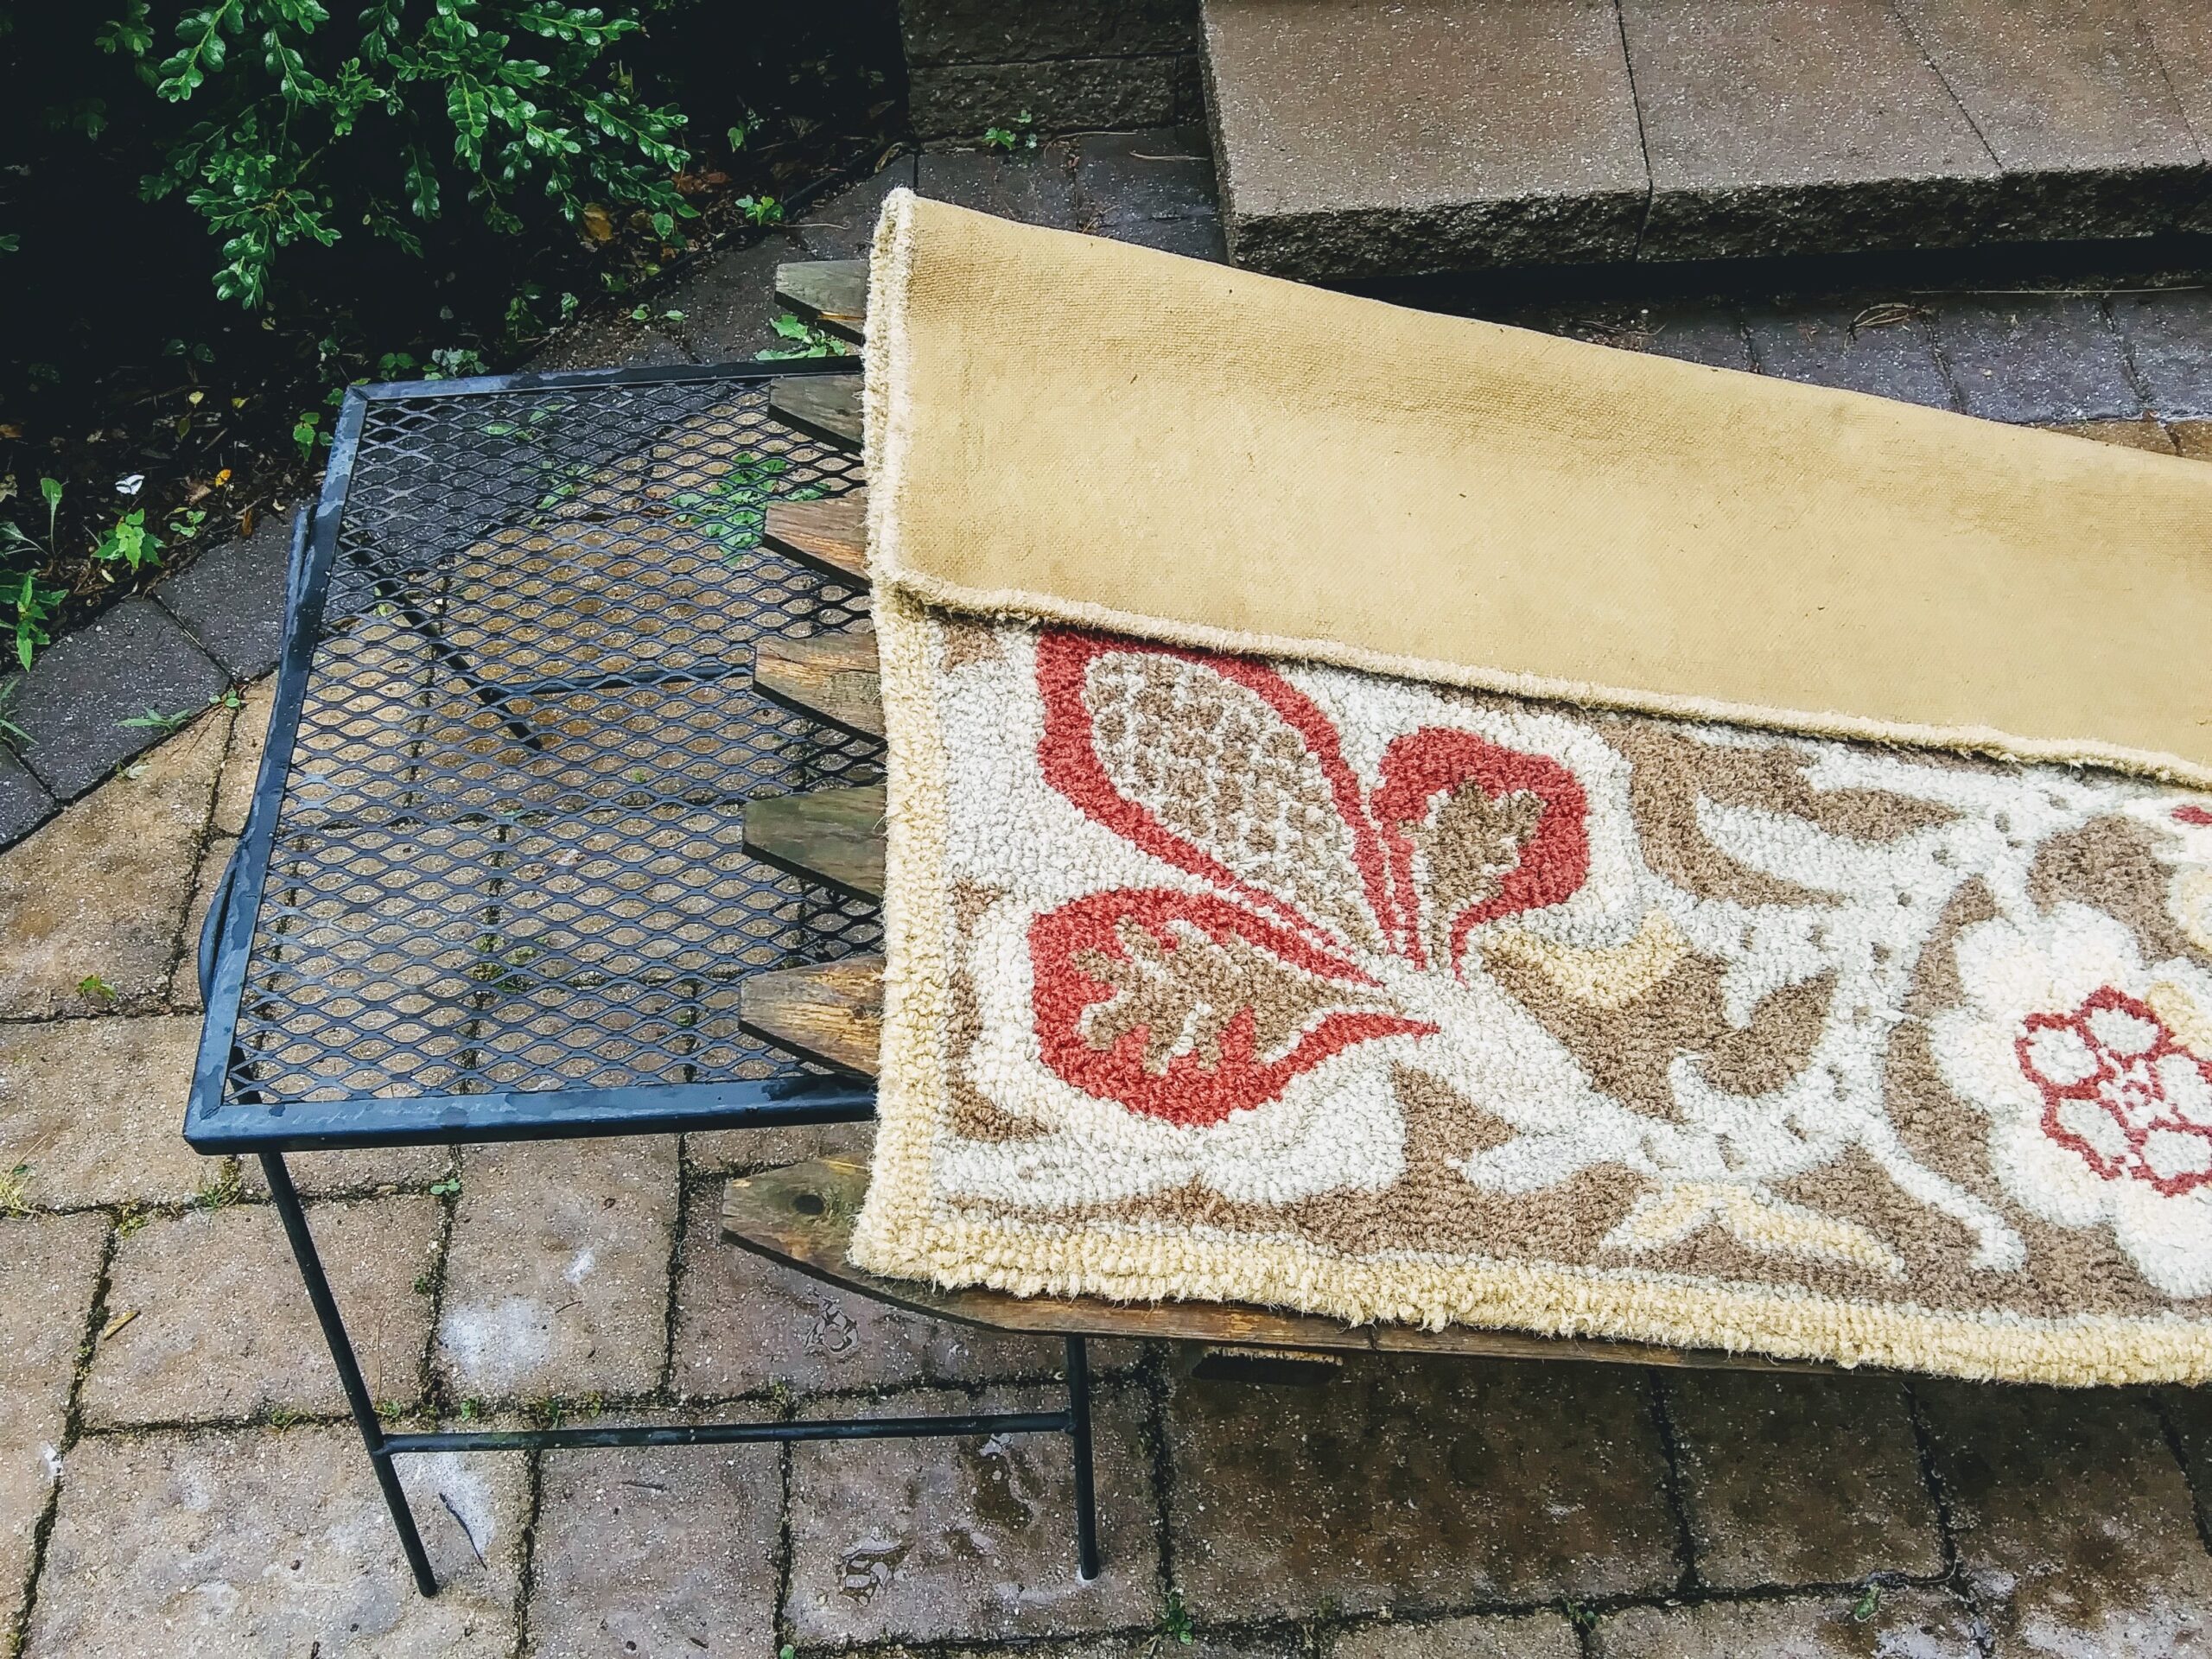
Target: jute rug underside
x,y
1251,979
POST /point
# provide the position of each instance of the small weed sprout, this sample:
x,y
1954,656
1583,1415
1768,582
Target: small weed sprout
x,y
154,720
1175,1619
227,1188
808,339
15,1191
1022,134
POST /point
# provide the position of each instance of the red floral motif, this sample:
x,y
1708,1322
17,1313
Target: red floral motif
x,y
2116,1089
1315,880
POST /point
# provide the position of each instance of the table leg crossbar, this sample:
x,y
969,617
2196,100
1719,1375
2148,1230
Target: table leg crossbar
x,y
1073,1421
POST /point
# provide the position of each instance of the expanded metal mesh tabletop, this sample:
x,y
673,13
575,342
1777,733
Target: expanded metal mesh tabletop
x,y
493,881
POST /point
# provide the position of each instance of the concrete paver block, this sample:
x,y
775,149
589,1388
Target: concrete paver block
x,y
95,1109
2076,1531
743,1323
1850,346
102,889
220,1327
2073,101
260,1542
1059,94
557,1276
657,1551
923,1541
2168,334
2036,358
1795,128
1910,1623
1164,173
1854,1502
1529,1636
73,702
1364,137
1383,1489
1035,186
231,598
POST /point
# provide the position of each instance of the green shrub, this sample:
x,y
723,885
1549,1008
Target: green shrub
x,y
308,127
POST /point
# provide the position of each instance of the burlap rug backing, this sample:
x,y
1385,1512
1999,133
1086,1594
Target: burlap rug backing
x,y
1384,823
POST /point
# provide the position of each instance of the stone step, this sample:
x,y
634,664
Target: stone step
x,y
1361,139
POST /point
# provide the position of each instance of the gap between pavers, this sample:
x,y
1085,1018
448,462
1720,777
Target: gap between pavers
x,y
2076,1528
49,1270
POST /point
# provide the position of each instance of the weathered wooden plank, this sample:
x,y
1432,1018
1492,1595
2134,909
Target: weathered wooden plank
x,y
830,292
826,405
830,536
803,1216
831,835
831,1012
833,678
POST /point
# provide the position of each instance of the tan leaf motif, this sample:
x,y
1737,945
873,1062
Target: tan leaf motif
x,y
1219,767
1468,846
1184,998
1752,1220
1607,976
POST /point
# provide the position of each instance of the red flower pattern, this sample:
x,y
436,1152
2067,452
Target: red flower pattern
x,y
1221,768
2104,1071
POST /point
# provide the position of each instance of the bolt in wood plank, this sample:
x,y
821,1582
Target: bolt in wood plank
x,y
830,292
831,1012
828,406
834,835
803,1216
830,536
833,678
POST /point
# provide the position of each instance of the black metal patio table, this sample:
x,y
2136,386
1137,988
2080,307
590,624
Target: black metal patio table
x,y
493,884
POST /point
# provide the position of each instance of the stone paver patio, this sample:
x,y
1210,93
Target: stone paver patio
x,y
177,1476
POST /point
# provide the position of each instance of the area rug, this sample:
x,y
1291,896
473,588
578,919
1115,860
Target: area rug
x,y
1541,837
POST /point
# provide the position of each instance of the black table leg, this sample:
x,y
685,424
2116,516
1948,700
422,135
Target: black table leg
x,y
287,1199
1086,1501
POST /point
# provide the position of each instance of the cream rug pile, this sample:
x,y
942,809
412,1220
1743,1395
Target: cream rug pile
x,y
1404,819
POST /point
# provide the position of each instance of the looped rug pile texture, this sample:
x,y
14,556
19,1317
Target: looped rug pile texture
x,y
1402,819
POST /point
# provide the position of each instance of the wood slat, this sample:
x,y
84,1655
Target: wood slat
x,y
830,536
830,292
834,678
832,834
803,1216
831,1012
826,405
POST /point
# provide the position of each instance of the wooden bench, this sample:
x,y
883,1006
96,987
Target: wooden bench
x,y
802,1217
